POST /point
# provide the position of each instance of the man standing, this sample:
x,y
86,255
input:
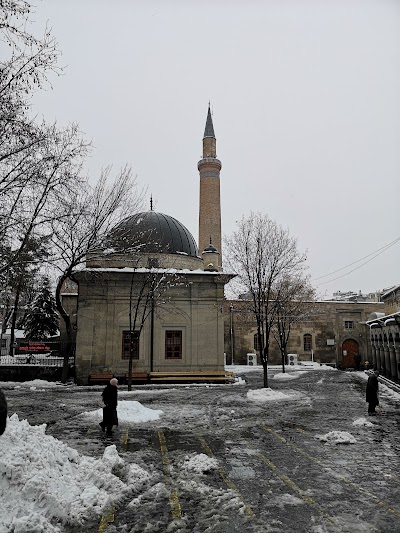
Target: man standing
x,y
371,392
110,398
3,412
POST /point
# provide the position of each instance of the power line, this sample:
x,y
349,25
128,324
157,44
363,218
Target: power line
x,y
375,254
385,247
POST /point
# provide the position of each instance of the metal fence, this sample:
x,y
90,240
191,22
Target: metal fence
x,y
36,360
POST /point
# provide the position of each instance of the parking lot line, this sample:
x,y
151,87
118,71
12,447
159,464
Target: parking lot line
x,y
173,497
332,472
248,511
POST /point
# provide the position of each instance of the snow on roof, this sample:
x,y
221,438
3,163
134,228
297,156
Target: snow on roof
x,y
390,290
130,270
384,318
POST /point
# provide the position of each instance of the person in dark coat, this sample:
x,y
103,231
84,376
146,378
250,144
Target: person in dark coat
x,y
110,398
3,412
371,392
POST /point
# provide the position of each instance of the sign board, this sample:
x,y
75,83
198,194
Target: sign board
x,y
37,347
330,342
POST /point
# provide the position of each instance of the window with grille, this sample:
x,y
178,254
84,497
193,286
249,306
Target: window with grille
x,y
348,324
130,342
256,344
307,342
173,344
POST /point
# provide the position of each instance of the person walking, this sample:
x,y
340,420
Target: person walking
x,y
110,398
3,412
371,392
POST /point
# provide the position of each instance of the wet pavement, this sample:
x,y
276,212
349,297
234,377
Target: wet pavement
x,y
274,474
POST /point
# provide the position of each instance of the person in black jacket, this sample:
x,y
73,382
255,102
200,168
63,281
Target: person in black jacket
x,y
110,398
3,412
371,393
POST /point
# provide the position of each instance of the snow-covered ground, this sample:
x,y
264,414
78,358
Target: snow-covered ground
x,y
45,484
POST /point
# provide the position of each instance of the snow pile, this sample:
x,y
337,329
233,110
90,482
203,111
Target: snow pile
x,y
289,375
265,395
44,483
337,437
129,412
363,422
199,463
303,366
34,384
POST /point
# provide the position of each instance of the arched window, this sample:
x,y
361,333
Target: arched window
x,y
256,344
307,342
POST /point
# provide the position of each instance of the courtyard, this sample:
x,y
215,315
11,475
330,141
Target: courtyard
x,y
301,456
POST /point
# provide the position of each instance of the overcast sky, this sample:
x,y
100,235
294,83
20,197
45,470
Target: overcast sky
x,y
306,110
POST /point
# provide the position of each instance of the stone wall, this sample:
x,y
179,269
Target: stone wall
x,y
193,304
328,324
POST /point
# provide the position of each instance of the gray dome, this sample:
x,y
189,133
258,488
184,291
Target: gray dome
x,y
154,232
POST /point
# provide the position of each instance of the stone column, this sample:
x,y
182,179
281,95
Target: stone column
x,y
373,352
387,360
393,365
397,355
381,358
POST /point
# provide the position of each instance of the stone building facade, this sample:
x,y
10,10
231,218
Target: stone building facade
x,y
184,331
334,333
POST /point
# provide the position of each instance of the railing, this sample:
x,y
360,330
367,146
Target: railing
x,y
44,360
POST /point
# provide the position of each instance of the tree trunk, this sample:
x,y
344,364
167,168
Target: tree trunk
x,y
265,367
14,319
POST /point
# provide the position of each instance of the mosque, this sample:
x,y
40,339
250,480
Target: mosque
x,y
150,299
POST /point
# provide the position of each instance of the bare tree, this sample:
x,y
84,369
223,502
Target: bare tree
x,y
83,227
39,163
294,302
148,293
260,252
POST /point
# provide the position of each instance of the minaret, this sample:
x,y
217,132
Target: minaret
x,y
210,202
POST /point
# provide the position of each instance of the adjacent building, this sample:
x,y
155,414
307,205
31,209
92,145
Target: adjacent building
x,y
333,333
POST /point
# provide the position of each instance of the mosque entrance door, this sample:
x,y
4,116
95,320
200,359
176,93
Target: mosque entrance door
x,y
349,350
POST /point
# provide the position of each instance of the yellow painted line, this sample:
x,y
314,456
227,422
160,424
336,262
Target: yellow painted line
x,y
173,497
226,479
106,520
125,437
292,485
335,474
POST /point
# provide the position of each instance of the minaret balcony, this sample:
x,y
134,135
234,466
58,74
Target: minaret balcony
x,y
209,162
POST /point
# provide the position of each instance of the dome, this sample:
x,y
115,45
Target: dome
x,y
154,233
210,249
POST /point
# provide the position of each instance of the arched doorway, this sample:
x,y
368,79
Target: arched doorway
x,y
349,349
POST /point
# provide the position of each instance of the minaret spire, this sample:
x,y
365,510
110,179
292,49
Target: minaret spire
x,y
210,203
209,129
